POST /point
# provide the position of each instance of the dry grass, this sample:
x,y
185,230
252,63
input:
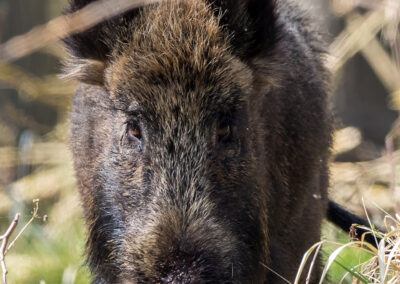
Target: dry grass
x,y
383,260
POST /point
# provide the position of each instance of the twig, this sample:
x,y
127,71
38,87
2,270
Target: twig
x,y
66,25
276,273
383,65
48,89
3,249
41,153
34,215
354,38
389,153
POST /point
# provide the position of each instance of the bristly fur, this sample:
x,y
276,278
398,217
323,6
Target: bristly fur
x,y
179,203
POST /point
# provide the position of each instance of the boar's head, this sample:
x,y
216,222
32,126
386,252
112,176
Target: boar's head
x,y
200,137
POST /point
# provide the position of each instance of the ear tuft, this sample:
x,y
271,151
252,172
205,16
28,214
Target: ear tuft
x,y
89,51
84,70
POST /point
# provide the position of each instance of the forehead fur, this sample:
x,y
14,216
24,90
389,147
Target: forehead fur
x,y
179,45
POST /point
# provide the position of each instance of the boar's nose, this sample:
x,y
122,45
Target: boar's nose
x,y
189,246
179,277
182,271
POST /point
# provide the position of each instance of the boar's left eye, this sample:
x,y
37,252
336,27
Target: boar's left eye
x,y
224,132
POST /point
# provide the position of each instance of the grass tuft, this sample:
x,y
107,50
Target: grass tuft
x,y
379,263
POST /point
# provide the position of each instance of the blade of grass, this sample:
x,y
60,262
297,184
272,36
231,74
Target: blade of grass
x,y
332,259
351,271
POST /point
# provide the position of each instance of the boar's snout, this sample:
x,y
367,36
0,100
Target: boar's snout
x,y
184,245
188,268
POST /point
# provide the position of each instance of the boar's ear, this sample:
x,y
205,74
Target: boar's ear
x,y
89,51
86,51
251,23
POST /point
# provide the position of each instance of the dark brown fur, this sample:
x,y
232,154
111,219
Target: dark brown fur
x,y
180,205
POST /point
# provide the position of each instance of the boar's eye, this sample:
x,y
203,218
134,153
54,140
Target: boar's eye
x,y
133,131
224,132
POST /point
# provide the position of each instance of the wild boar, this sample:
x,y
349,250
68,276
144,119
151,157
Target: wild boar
x,y
200,136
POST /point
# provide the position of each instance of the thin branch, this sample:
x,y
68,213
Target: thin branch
x,y
48,89
66,25
3,249
355,37
34,216
389,143
383,65
276,273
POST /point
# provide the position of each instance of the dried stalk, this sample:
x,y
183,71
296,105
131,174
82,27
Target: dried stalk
x,y
383,66
381,62
389,153
49,90
66,25
5,247
355,37
41,153
34,215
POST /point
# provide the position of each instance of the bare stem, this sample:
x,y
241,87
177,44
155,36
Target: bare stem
x,y
66,25
3,249
34,215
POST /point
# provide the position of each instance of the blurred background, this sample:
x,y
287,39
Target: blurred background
x,y
35,162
